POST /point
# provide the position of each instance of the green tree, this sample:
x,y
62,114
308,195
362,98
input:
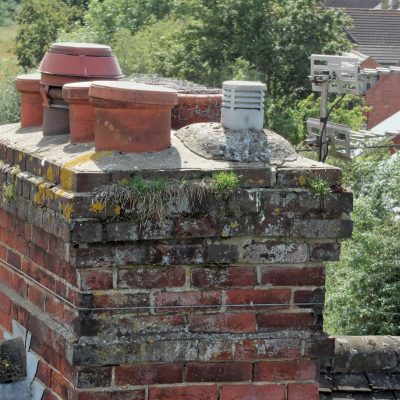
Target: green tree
x,y
107,17
290,122
39,21
363,289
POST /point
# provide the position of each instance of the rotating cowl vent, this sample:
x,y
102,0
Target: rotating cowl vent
x,y
243,105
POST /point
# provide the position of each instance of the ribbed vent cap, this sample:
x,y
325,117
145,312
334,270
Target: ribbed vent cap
x,y
243,105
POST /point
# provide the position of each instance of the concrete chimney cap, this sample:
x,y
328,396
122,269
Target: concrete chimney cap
x,y
244,85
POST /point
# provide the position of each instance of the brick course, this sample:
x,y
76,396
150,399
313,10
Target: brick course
x,y
201,306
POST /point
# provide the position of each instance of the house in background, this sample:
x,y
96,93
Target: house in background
x,y
375,34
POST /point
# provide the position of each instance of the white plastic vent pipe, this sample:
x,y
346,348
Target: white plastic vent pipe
x,y
243,105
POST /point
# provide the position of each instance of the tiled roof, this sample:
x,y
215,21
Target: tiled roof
x,y
363,368
377,33
385,55
352,3
373,27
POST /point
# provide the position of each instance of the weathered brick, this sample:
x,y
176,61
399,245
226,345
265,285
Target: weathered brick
x,y
176,254
170,351
284,321
148,374
301,391
288,370
40,238
222,323
274,252
91,377
14,259
187,228
259,299
254,392
187,301
222,253
122,231
293,276
86,231
312,296
261,349
248,201
201,392
218,372
147,278
322,228
273,226
132,300
95,280
324,251
207,278
113,395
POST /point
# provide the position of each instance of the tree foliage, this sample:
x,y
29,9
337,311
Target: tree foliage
x,y
363,289
39,22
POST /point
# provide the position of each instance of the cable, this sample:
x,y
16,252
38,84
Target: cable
x,y
360,148
322,157
134,308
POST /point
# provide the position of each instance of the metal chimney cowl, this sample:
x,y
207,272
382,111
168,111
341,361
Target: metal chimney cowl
x,y
243,105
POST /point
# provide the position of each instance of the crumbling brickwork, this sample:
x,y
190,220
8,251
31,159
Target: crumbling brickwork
x,y
221,301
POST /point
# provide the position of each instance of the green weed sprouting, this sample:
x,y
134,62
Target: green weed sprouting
x,y
225,181
155,199
8,192
320,189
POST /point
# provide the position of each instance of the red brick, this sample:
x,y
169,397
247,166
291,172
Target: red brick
x,y
22,246
91,377
296,321
44,373
49,395
6,276
96,280
218,372
42,276
201,392
383,98
312,297
289,370
14,259
6,220
3,252
7,237
5,312
187,301
60,385
254,392
147,278
253,297
148,374
122,300
20,285
208,278
300,391
286,276
114,395
223,323
40,238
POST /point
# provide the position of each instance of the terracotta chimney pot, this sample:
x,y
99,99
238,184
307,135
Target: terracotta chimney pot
x,y
66,63
81,112
31,101
132,117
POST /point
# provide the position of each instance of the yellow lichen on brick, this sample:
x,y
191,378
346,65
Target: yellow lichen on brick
x,y
302,180
67,173
97,207
67,211
50,174
117,210
40,195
